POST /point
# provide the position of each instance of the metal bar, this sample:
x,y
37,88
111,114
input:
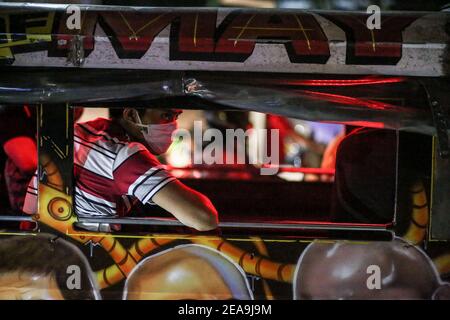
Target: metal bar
x,y
440,206
16,218
55,137
329,172
244,225
438,100
250,225
280,168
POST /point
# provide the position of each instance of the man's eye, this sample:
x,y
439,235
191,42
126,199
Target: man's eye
x,y
169,116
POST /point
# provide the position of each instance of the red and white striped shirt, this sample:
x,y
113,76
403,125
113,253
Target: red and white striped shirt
x,y
107,167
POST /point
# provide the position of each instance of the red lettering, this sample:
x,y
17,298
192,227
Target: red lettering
x,y
378,46
300,33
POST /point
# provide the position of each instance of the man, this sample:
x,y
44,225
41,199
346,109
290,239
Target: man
x,y
114,159
179,273
44,267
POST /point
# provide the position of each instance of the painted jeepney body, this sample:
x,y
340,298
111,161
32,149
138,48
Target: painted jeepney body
x,y
313,65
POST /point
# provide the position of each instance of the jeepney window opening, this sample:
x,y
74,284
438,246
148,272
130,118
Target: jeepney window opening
x,y
159,218
202,178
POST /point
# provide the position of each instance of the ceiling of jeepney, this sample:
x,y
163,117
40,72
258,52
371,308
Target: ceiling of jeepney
x,y
385,102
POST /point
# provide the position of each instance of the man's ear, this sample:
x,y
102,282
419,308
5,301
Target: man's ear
x,y
131,114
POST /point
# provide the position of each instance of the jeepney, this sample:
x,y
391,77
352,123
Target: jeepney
x,y
276,239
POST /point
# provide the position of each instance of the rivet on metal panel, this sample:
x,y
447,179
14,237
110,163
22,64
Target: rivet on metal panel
x,y
190,85
75,55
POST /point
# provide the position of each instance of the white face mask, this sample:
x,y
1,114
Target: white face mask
x,y
158,136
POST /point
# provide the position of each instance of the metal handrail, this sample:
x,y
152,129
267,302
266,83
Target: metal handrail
x,y
246,225
238,225
281,168
16,218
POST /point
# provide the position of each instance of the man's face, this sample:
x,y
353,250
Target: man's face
x,y
151,117
158,116
25,286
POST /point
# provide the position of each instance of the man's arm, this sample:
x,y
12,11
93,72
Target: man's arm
x,y
30,205
142,176
187,205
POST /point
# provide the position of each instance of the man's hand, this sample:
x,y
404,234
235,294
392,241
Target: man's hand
x,y
187,205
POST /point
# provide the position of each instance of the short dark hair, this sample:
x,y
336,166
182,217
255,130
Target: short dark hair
x,y
46,254
116,113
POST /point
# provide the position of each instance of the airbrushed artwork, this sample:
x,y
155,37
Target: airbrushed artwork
x,y
38,267
225,39
193,267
